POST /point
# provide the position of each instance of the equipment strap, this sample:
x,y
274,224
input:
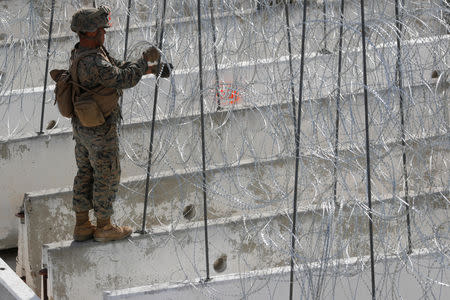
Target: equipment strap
x,y
74,72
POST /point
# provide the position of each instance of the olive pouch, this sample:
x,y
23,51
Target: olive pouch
x,y
88,111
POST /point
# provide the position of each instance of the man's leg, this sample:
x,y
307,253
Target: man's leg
x,y
106,172
82,194
106,165
84,180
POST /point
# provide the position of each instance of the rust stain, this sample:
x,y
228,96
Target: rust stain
x,y
23,148
5,153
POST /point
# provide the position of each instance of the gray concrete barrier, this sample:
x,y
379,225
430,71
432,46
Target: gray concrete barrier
x,y
405,273
253,132
239,27
245,243
258,82
246,188
12,287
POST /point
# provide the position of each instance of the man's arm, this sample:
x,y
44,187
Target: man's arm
x,y
126,76
151,54
106,71
118,63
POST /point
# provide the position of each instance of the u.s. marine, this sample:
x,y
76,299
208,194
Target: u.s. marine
x,y
101,80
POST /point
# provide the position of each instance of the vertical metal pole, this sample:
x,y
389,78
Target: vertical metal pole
x,y
213,25
49,41
297,151
155,100
205,208
127,29
291,72
325,24
338,103
399,81
366,118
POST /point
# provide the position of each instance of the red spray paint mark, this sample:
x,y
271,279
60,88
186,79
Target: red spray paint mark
x,y
228,94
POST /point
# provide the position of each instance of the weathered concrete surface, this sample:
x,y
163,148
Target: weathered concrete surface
x,y
142,16
261,132
403,272
12,287
22,250
242,189
249,243
259,82
20,105
239,27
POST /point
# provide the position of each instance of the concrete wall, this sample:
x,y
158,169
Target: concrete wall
x,y
12,287
21,109
238,28
243,189
260,127
405,275
179,96
181,135
84,270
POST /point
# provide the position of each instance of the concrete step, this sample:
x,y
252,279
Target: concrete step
x,y
266,135
239,245
258,82
242,189
324,280
142,15
247,132
239,27
12,287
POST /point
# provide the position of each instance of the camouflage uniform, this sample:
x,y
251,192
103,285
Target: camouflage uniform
x,y
97,148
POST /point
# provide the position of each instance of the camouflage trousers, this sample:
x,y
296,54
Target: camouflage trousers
x,y
97,157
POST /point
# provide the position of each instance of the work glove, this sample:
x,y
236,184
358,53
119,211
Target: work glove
x,y
164,70
151,54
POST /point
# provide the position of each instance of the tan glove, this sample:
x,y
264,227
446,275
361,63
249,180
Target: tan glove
x,y
151,54
165,69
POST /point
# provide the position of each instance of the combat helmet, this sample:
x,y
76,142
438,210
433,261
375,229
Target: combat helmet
x,y
90,19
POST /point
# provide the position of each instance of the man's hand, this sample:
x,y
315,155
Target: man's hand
x,y
151,54
164,70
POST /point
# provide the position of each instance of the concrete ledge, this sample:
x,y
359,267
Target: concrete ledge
x,y
266,110
234,190
181,32
114,30
273,283
12,287
180,93
237,8
250,243
245,188
245,133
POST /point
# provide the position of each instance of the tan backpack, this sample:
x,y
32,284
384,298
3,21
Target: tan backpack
x,y
90,107
63,92
64,89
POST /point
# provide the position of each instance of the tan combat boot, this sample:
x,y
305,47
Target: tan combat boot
x,y
84,230
106,231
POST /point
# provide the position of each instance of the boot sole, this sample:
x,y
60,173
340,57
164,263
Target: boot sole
x,y
103,240
82,238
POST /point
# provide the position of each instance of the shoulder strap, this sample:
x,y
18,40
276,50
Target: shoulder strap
x,y
82,87
74,70
107,54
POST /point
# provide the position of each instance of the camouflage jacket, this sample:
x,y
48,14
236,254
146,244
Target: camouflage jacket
x,y
101,69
